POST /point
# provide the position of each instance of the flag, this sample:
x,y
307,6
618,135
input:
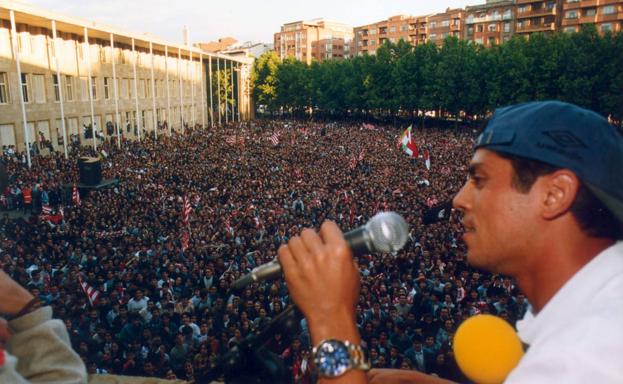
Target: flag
x,y
352,163
427,158
362,154
46,209
92,293
408,144
231,140
75,196
274,138
184,240
186,209
437,213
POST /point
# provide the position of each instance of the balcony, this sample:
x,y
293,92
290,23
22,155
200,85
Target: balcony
x,y
536,28
529,1
537,12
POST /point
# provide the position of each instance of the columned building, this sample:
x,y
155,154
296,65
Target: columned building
x,y
61,78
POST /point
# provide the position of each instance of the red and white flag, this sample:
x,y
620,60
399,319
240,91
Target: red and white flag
x,y
75,196
186,209
92,293
427,158
46,209
274,138
352,163
184,240
231,140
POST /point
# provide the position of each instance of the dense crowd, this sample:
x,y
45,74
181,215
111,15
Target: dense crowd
x,y
164,307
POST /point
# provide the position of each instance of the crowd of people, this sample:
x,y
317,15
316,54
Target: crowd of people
x,y
162,274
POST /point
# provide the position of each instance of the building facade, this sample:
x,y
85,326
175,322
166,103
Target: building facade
x,y
314,40
491,23
494,22
61,77
607,15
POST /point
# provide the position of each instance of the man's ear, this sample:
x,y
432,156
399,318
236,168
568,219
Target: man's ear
x,y
560,189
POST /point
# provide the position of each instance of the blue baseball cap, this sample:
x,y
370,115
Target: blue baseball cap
x,y
566,136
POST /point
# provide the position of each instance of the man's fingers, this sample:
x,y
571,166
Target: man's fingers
x,y
312,241
333,236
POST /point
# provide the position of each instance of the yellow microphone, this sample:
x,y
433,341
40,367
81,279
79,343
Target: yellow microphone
x,y
487,349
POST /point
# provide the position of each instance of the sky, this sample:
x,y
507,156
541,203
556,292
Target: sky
x,y
255,21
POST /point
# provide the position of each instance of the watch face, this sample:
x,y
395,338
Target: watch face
x,y
332,358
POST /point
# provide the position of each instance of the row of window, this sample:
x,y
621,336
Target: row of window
x,y
606,10
34,88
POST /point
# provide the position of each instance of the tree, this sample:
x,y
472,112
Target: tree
x,y
264,79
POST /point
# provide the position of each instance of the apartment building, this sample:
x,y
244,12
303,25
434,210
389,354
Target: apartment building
x,y
60,74
607,15
537,16
441,25
369,37
491,23
318,39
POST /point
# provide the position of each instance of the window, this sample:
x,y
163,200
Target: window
x,y
94,87
38,88
606,27
492,27
480,28
433,36
522,9
24,83
507,27
470,30
373,31
432,24
573,1
608,10
141,88
571,15
57,94
84,88
404,28
507,14
496,15
107,88
445,23
392,29
570,29
4,89
590,12
69,88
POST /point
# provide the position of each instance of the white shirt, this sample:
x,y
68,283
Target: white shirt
x,y
578,336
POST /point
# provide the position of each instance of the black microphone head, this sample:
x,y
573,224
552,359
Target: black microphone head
x,y
387,231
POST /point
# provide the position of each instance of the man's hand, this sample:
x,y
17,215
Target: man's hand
x,y
401,376
5,334
13,297
323,281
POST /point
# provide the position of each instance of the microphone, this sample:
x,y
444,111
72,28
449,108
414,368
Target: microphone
x,y
385,232
487,349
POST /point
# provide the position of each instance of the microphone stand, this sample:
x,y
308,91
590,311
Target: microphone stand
x,y
251,362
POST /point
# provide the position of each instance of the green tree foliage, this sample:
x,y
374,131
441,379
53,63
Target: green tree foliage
x,y
457,78
264,79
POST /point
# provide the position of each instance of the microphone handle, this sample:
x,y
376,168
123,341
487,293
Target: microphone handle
x,y
266,271
358,240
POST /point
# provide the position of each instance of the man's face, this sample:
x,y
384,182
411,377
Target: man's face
x,y
498,219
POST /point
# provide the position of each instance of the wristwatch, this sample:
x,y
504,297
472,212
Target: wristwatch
x,y
334,357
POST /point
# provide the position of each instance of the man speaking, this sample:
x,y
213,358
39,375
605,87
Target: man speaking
x,y
543,204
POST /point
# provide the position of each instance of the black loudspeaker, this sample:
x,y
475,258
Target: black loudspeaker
x,y
90,170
